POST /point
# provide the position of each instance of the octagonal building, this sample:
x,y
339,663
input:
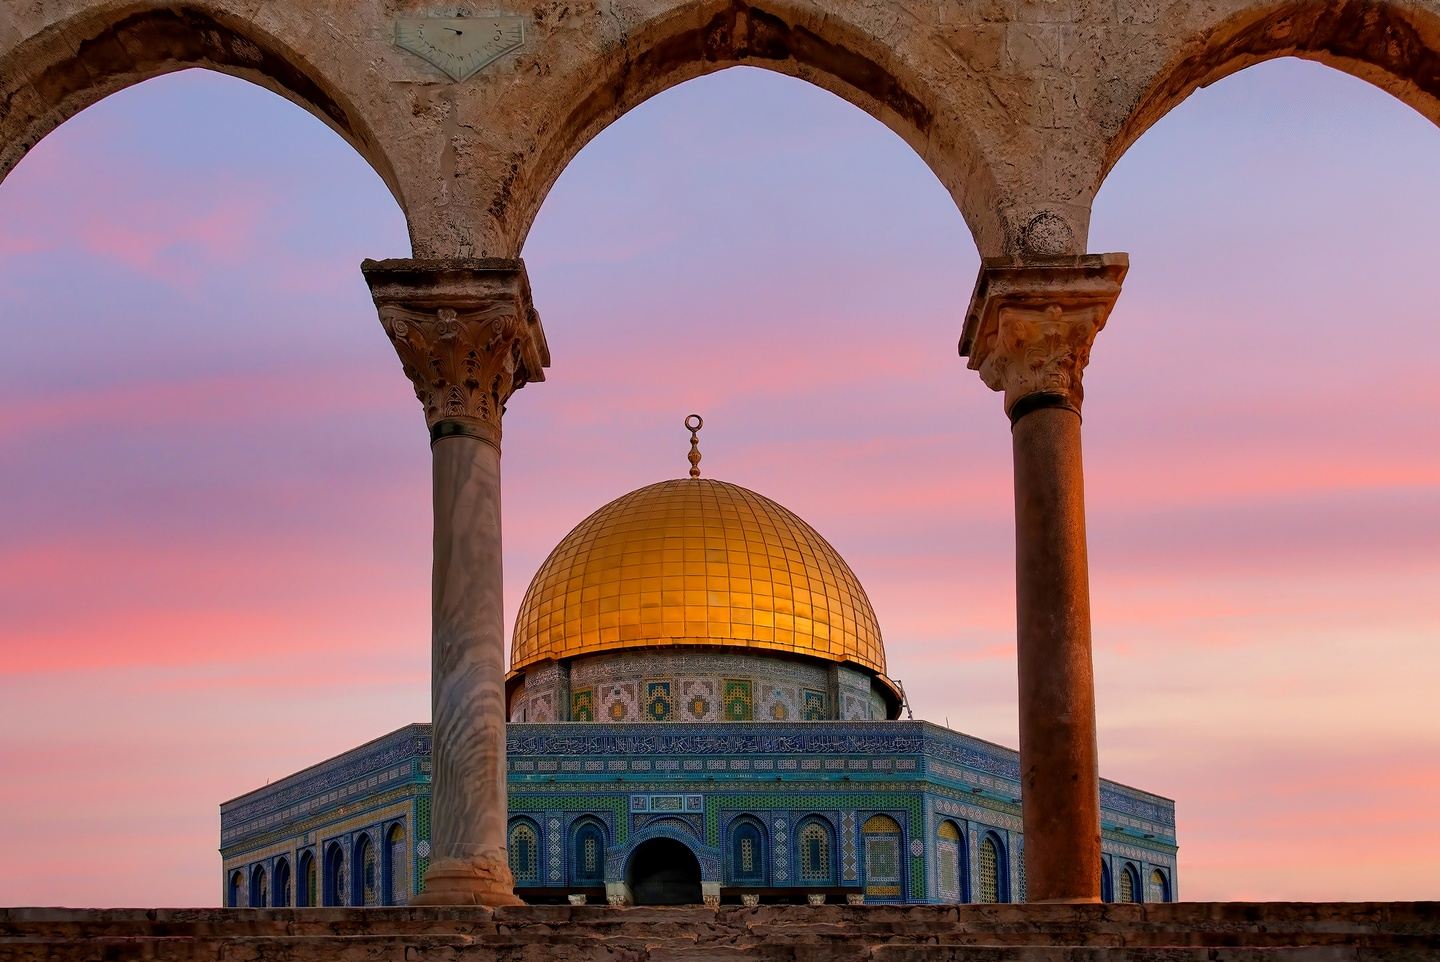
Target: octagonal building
x,y
699,711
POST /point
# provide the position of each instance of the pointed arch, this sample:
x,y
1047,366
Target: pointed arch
x,y
992,883
588,846
69,64
748,851
306,890
235,889
281,894
815,851
259,888
396,868
334,874
951,873
523,844
811,42
1395,46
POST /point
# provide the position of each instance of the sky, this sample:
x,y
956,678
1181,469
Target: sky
x,y
214,530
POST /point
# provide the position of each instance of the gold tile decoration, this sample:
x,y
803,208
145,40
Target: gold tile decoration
x,y
696,561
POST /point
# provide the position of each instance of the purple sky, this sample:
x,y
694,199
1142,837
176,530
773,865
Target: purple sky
x,y
214,538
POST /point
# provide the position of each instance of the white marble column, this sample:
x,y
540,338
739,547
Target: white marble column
x,y
1029,333
468,337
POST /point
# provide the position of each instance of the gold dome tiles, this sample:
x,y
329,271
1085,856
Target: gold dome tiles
x,y
696,562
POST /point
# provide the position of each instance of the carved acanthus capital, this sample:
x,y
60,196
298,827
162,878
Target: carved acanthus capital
x,y
1031,325
467,335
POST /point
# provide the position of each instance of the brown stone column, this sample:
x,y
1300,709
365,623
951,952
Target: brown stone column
x,y
1028,333
468,337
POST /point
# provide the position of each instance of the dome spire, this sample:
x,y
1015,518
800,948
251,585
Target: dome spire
x,y
693,424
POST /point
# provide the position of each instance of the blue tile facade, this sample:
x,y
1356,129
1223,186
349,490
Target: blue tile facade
x,y
903,810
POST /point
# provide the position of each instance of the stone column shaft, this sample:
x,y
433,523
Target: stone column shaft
x,y
1029,333
468,337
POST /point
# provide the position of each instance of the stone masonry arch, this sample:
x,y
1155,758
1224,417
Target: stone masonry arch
x,y
86,51
1395,46
821,43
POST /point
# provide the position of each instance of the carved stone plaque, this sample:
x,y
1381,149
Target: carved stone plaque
x,y
460,45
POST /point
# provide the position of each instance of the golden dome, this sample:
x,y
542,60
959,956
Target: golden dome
x,y
696,562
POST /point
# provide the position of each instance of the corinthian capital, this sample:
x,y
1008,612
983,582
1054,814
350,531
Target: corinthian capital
x,y
467,335
1031,325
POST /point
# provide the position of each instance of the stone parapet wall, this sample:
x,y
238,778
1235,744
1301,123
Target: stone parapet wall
x,y
1234,931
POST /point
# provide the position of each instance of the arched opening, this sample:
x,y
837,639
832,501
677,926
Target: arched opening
x,y
992,883
1266,502
235,891
748,852
259,888
815,851
283,884
713,36
1129,883
193,231
587,865
884,861
664,871
367,873
397,867
950,862
524,851
334,875
1107,887
1158,889
307,892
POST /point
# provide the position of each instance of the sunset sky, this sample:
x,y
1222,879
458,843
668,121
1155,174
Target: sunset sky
x,y
214,532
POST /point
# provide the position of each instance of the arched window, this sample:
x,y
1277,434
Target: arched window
x,y
587,859
950,862
366,872
991,882
334,875
1159,890
307,892
397,867
813,841
237,885
524,851
259,888
1129,884
1107,889
747,852
282,882
883,860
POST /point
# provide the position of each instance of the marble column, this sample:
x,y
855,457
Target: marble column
x,y
1028,333
468,337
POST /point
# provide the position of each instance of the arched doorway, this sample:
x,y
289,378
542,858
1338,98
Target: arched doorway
x,y
664,872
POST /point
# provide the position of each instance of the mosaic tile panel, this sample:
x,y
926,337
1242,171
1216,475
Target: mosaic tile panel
x,y
659,703
738,699
815,705
582,705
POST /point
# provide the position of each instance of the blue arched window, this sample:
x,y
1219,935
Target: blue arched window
x,y
282,882
747,852
524,851
1157,888
259,888
814,852
366,872
1129,884
308,890
992,882
397,867
587,854
1107,888
950,862
237,885
334,874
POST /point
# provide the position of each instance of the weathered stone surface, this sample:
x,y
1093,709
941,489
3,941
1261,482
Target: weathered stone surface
x,y
1020,107
1175,932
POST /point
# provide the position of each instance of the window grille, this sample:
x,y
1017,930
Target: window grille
x,y
524,852
814,853
989,887
1127,885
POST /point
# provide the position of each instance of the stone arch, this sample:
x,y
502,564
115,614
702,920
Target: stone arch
x,y
69,64
1392,45
617,863
814,42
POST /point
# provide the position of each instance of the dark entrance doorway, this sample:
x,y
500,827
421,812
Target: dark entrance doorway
x,y
664,872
